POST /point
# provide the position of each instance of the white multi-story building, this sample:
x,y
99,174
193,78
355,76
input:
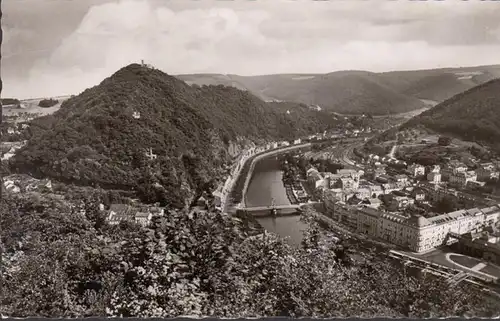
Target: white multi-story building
x,y
419,233
345,178
418,194
435,169
363,193
401,178
434,177
416,170
347,183
457,167
392,187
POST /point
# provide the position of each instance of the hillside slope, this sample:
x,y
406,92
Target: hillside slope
x,y
439,84
350,92
357,92
473,115
94,139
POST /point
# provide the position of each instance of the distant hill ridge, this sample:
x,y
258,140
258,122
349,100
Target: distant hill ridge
x,y
101,136
473,115
357,92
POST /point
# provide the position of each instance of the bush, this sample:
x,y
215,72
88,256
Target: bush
x,y
59,263
45,103
444,141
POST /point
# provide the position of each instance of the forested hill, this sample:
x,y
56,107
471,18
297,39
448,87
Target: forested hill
x,y
473,115
359,92
101,136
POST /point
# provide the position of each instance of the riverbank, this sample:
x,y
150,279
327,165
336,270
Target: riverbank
x,y
259,157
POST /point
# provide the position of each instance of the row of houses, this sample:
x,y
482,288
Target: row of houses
x,y
20,183
346,185
12,149
125,212
457,173
418,233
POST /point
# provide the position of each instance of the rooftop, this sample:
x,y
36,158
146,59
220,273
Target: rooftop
x,y
418,221
395,217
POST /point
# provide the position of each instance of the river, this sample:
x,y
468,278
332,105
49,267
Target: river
x,y
265,185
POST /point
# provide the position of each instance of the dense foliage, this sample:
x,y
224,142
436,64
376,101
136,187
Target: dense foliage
x,y
61,261
48,102
101,136
472,115
10,101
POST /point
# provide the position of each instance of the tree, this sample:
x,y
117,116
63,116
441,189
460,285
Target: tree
x,y
202,264
444,140
447,204
48,102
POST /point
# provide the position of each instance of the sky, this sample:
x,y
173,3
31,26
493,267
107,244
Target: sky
x,y
61,47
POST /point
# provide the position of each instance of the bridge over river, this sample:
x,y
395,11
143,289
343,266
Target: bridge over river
x,y
276,210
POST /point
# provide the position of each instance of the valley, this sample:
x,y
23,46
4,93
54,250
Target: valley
x,y
143,160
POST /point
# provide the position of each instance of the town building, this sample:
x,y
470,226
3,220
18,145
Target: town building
x,y
404,201
368,221
346,183
150,155
345,179
435,169
416,170
125,212
11,186
217,199
376,191
462,178
457,167
314,177
486,172
143,218
363,193
418,194
483,245
391,187
434,177
202,202
376,172
401,178
120,212
374,203
333,195
422,234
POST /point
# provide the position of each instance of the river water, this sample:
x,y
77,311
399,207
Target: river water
x,y
265,185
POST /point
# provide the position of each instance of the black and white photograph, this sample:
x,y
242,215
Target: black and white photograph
x,y
250,159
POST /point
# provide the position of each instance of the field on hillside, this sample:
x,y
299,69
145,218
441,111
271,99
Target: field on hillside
x,y
31,107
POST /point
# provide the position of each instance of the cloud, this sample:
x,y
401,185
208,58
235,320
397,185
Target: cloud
x,y
258,37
